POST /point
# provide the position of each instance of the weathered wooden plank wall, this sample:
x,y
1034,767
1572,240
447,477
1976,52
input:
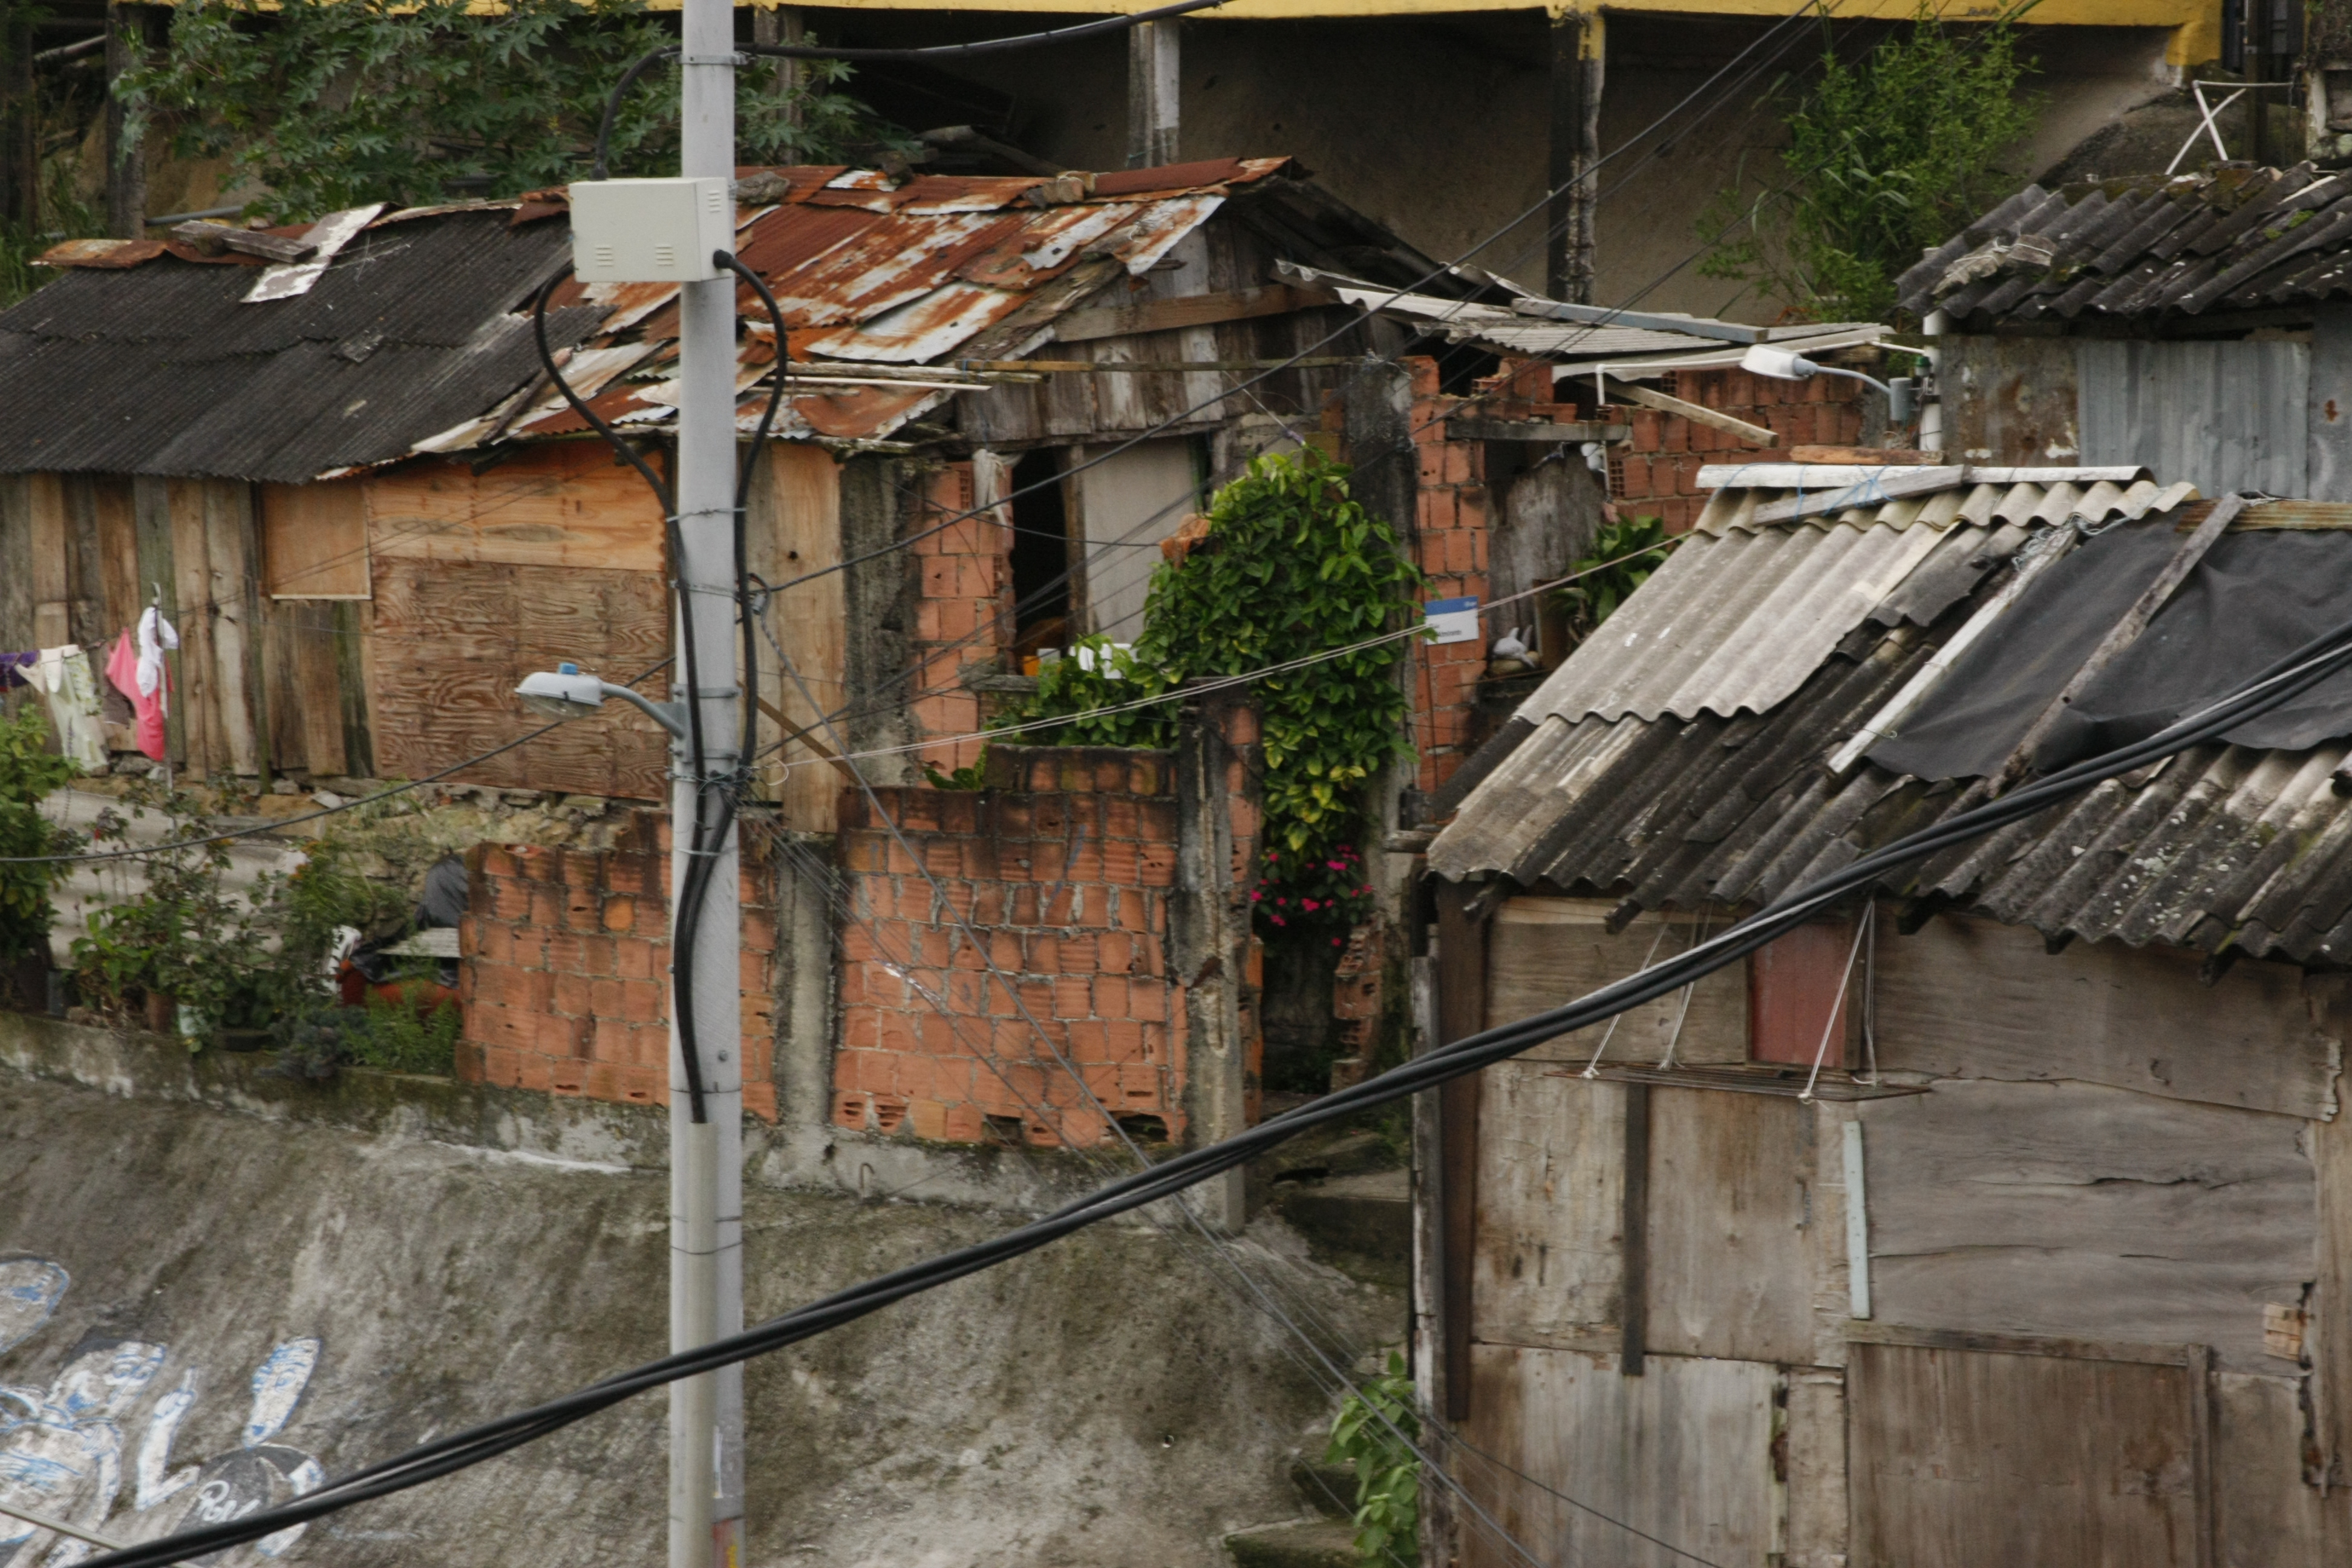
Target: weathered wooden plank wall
x,y
1964,1458
2085,1212
1682,1453
1546,952
1548,1268
2138,1018
793,530
1729,1202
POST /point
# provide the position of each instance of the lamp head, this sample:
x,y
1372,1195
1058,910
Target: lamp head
x,y
561,692
1762,359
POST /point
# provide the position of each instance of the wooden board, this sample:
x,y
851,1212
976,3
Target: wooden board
x,y
2266,1516
1729,1260
51,569
2087,1213
158,577
794,526
118,585
1548,1268
314,541
1965,1459
1973,998
1816,1467
230,542
16,562
205,751
1683,1453
1185,310
448,643
1545,951
560,504
1462,992
2328,1340
1801,995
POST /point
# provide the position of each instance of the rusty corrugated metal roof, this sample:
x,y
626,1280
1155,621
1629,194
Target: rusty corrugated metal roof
x,y
874,275
2224,847
2234,238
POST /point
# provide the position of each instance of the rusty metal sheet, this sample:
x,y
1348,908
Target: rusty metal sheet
x,y
887,266
921,330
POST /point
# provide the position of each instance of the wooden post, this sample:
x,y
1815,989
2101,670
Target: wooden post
x,y
1576,75
1460,1013
1151,92
1634,1227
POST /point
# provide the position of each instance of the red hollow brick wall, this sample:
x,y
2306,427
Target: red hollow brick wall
x,y
566,981
963,612
1655,473
1065,867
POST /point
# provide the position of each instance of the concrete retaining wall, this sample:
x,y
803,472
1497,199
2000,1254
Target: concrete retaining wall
x,y
216,1285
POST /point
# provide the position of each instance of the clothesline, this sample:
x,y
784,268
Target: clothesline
x,y
135,672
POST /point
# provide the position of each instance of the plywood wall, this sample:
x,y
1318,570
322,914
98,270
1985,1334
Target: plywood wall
x,y
794,530
478,580
1545,951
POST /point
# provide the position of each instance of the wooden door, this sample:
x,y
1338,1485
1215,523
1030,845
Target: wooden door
x,y
1973,1458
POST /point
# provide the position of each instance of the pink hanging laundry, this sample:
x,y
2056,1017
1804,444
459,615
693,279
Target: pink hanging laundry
x,y
122,670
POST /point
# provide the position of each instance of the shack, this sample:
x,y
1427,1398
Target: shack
x,y
345,479
2005,1216
2198,322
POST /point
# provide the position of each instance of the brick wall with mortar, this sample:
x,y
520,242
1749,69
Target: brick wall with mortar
x,y
1067,868
565,986
963,610
1655,473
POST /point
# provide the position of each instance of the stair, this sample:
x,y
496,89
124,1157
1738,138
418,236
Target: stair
x,y
1326,1542
1320,1543
1360,1225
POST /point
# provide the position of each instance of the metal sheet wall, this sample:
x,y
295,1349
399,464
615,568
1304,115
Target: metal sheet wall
x,y
2223,415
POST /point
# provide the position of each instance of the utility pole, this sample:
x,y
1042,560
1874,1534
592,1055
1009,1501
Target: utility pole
x,y
705,1172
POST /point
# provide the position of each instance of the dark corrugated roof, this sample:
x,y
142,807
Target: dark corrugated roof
x,y
2230,240
164,369
2224,847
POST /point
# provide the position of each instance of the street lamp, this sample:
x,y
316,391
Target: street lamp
x,y
1782,365
564,692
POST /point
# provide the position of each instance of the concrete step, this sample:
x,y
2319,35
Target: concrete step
x,y
1362,1224
1328,1489
1323,1543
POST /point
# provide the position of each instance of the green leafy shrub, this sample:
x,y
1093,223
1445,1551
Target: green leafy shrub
x,y
28,774
1887,156
1624,554
335,103
1374,1432
1291,566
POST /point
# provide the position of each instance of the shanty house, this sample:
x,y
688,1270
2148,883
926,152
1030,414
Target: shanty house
x,y
2005,1216
2199,323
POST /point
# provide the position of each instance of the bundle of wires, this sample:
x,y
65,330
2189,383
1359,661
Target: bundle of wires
x,y
2316,661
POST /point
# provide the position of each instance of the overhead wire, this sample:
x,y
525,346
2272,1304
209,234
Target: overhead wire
x,y
2323,656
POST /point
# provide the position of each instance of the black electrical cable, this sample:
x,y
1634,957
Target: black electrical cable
x,y
929,52
682,948
2318,659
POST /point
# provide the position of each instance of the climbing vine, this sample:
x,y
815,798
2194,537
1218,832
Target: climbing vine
x,y
1374,1432
1290,565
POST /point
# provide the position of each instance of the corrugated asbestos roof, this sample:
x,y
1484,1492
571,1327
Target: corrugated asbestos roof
x,y
143,358
1743,611
162,369
2223,847
2230,240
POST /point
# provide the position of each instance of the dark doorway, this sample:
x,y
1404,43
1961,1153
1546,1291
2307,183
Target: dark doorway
x,y
1041,556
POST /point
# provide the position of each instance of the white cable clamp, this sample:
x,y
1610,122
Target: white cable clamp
x,y
737,61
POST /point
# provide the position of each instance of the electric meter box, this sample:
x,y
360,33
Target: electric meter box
x,y
650,231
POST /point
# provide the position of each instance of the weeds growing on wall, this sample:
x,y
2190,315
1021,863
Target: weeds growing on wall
x,y
333,103
1887,155
1624,554
1290,565
1388,1470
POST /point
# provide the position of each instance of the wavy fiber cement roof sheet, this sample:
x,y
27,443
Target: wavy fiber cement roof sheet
x,y
1731,623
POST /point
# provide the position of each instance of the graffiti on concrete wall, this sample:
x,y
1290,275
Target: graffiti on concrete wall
x,y
67,1453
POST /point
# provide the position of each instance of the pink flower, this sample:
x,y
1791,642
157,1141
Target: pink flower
x,y
1308,905
1333,866
1335,941
1278,920
1256,898
1363,892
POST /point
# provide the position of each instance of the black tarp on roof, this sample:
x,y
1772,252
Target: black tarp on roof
x,y
162,369
2254,598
